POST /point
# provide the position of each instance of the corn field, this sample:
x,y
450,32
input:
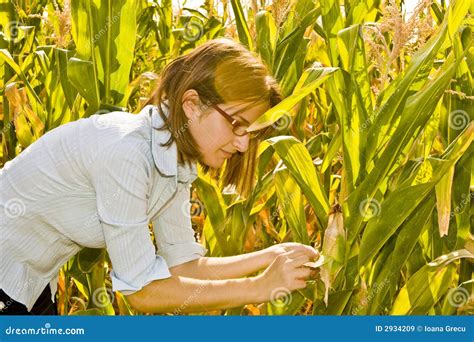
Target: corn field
x,y
371,161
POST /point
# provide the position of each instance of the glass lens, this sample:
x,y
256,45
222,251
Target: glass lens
x,y
240,130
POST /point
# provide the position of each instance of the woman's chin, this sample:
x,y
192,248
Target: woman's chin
x,y
214,163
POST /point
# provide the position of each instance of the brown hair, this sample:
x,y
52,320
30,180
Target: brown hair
x,y
220,70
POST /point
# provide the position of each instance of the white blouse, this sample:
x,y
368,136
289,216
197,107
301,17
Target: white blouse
x,y
95,182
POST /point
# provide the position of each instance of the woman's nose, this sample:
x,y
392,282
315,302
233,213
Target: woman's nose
x,y
241,143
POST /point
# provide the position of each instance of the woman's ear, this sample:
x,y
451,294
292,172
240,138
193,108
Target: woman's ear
x,y
191,104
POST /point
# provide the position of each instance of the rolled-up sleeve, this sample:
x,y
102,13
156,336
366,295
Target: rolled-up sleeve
x,y
174,234
120,179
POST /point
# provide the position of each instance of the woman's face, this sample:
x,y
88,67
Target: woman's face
x,y
213,133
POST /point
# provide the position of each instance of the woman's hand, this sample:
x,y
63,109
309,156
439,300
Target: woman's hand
x,y
282,248
285,274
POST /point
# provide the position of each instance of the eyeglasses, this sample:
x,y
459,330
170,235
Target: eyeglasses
x,y
239,128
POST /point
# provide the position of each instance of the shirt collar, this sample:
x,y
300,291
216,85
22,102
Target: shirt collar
x,y
166,157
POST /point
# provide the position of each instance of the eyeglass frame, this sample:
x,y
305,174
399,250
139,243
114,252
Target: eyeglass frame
x,y
236,124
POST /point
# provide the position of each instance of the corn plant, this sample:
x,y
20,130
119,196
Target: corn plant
x,y
377,183
371,160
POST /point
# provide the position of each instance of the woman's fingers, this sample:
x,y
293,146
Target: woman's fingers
x,y
311,252
299,260
307,273
294,254
313,274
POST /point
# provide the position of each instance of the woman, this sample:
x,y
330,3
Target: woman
x,y
98,182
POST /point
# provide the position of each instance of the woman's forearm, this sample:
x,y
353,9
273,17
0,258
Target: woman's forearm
x,y
235,266
183,295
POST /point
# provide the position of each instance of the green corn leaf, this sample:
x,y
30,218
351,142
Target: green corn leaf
x,y
337,301
304,15
105,41
298,161
241,23
408,237
266,35
291,202
332,23
462,197
416,114
417,71
87,258
83,77
399,205
307,83
215,210
428,285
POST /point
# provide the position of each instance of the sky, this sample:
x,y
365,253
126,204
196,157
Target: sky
x,y
409,5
